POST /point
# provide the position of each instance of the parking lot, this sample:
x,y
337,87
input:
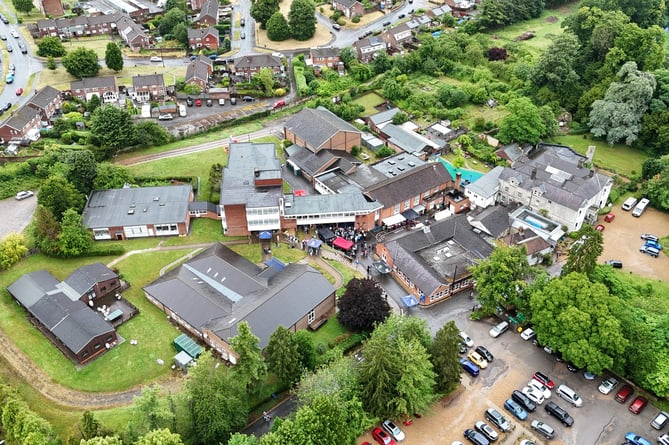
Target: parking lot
x,y
601,420
16,215
622,241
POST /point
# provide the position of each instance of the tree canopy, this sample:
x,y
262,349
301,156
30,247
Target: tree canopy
x,y
362,305
250,367
112,128
81,62
302,19
113,57
522,124
444,355
262,10
50,46
277,27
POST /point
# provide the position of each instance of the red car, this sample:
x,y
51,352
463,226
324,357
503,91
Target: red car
x,y
198,102
609,217
382,437
638,405
19,91
543,379
624,394
600,227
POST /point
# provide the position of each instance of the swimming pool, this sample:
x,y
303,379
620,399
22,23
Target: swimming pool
x,y
468,176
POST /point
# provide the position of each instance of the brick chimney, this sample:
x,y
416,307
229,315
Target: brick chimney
x,y
458,179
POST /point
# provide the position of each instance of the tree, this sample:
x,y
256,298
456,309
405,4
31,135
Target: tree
x,y
89,426
149,412
362,305
522,124
82,169
302,19
242,439
113,128
556,69
262,11
152,133
396,376
277,27
180,33
171,19
250,367
74,238
12,249
106,440
23,5
50,46
51,63
161,436
113,57
584,252
577,317
81,62
93,103
265,78
444,355
338,379
111,176
218,401
618,115
45,230
306,350
283,356
58,194
171,4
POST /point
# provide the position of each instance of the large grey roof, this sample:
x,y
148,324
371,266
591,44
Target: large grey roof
x,y
94,82
317,126
494,219
238,184
404,139
80,327
151,205
218,289
31,287
84,278
148,80
44,97
253,61
487,185
383,116
412,183
350,201
21,117
312,163
325,52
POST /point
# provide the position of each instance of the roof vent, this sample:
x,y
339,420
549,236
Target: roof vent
x,y
390,172
145,209
400,168
131,211
156,198
401,158
391,162
411,164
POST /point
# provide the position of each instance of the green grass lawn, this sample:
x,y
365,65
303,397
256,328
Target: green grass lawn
x,y
346,272
328,332
369,101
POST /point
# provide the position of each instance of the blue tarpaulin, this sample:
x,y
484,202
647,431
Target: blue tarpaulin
x,y
276,264
410,301
265,235
314,243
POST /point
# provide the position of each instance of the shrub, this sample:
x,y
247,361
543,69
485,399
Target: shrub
x,y
356,19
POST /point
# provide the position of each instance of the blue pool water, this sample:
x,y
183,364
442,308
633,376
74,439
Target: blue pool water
x,y
468,176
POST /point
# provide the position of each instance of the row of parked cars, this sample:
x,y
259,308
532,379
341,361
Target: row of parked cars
x,y
651,245
387,434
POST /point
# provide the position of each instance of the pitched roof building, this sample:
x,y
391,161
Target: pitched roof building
x,y
47,101
104,87
198,72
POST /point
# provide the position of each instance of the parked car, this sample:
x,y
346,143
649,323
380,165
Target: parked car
x,y
189,101
165,117
652,251
660,420
19,91
393,430
608,385
484,353
663,439
600,227
514,408
569,395
156,59
24,194
498,419
476,358
486,430
3,36
279,104
543,389
543,428
401,16
650,237
10,49
525,442
336,26
523,400
528,334
655,244
468,341
559,413
635,439
11,67
533,394
616,264
543,379
609,217
23,48
14,33
198,102
475,437
221,102
248,98
469,367
638,404
4,19
499,329
382,437
6,107
243,35
209,102
624,394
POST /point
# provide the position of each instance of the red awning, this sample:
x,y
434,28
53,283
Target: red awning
x,y
299,193
342,243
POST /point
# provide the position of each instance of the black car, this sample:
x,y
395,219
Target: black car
x,y
248,98
559,413
4,19
6,107
484,353
189,101
523,400
476,438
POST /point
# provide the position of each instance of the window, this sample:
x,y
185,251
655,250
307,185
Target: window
x,y
84,354
97,346
311,316
407,204
396,209
109,338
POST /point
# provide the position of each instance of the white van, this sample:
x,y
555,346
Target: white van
x,y
569,395
640,207
629,203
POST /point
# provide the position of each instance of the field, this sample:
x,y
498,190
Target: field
x,y
369,101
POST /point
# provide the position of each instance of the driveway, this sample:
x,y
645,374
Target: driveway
x,y
16,215
622,240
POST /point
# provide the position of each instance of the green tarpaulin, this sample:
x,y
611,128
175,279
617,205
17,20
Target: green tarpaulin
x,y
186,344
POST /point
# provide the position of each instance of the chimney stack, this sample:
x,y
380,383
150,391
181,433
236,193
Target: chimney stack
x,y
256,172
458,179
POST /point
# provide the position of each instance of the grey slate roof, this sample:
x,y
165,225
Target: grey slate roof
x,y
218,289
148,80
202,32
151,205
84,278
383,116
317,126
433,257
487,185
253,61
404,139
494,219
198,69
325,52
412,183
238,183
80,327
44,97
309,161
209,9
94,82
350,201
21,117
31,287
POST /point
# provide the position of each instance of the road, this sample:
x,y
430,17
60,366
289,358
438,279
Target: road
x,y
25,65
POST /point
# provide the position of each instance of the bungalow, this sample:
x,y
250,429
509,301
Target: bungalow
x,y
203,38
198,72
350,8
104,87
47,101
148,87
247,66
215,291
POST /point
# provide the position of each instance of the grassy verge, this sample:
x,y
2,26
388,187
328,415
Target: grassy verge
x,y
346,272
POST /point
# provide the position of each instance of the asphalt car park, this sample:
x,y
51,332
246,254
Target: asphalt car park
x,y
16,214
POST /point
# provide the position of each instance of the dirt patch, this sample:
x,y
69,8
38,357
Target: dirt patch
x,y
551,19
622,240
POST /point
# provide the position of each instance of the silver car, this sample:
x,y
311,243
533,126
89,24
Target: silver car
x,y
393,430
544,429
608,385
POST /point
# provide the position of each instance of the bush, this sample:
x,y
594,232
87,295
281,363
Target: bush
x,y
356,19
102,249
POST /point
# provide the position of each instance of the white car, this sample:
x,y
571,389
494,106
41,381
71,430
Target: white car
x,y
24,194
608,385
540,387
499,329
14,33
533,394
468,341
393,430
156,59
528,334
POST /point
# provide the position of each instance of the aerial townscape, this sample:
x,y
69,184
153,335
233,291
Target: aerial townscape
x,y
350,222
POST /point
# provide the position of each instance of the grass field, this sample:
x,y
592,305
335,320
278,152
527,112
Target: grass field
x,y
369,101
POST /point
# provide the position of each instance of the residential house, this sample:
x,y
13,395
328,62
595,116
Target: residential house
x,y
20,123
138,212
48,101
195,5
104,87
247,66
76,26
325,57
493,221
367,48
203,38
148,87
67,310
437,14
397,36
251,190
49,8
198,72
523,218
132,34
512,152
208,15
433,263
216,290
483,192
554,181
350,8
536,248
461,8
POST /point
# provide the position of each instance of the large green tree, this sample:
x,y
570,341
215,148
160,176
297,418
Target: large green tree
x,y
161,436
81,62
283,356
556,70
23,5
58,194
302,19
82,169
577,317
362,305
337,379
171,19
153,134
74,238
250,366
111,176
149,412
113,57
45,230
444,355
396,375
522,124
50,47
112,128
583,253
262,10
277,27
